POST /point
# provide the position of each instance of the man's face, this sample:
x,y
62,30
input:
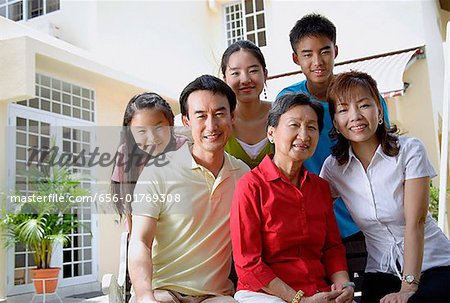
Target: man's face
x,y
315,55
210,121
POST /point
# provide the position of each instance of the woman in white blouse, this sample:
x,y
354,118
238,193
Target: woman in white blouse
x,y
384,181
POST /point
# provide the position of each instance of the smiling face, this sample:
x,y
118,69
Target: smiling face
x,y
210,121
357,118
315,55
245,75
296,135
151,130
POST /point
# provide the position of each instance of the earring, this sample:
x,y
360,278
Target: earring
x,y
337,131
265,93
380,121
271,140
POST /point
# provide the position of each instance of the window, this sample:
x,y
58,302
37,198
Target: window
x,y
61,114
246,20
17,10
60,97
234,24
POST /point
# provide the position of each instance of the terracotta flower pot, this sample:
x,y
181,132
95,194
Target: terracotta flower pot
x,y
45,280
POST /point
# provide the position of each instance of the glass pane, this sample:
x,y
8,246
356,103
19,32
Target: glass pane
x,y
56,108
66,133
56,96
87,240
248,6
35,8
67,271
66,87
67,256
21,122
76,90
45,81
19,276
87,268
87,254
45,129
86,115
31,259
56,84
250,23
66,98
34,103
66,110
262,39
45,142
260,23
3,11
45,93
76,101
20,260
259,5
251,37
21,139
45,105
52,5
15,11
76,113
21,153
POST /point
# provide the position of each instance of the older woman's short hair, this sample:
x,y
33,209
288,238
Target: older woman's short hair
x,y
287,101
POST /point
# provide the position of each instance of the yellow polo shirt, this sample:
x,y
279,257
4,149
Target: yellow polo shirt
x,y
192,248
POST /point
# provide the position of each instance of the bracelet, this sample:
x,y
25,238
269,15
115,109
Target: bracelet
x,y
298,297
348,284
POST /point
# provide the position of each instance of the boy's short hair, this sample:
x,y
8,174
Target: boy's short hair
x,y
312,25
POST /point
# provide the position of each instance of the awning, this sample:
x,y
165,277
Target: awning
x,y
387,69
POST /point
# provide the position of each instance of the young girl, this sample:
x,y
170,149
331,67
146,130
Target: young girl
x,y
384,181
244,70
147,133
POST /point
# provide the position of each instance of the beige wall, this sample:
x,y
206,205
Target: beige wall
x,y
413,112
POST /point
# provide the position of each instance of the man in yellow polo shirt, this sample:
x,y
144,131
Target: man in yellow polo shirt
x,y
180,248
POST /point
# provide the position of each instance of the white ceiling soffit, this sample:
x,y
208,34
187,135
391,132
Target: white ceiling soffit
x,y
386,69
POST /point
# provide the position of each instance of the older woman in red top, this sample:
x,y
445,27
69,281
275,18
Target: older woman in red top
x,y
286,244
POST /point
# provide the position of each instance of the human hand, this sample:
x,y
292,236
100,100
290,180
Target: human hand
x,y
397,297
323,297
347,293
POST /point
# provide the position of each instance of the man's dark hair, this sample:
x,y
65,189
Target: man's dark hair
x,y
208,83
312,25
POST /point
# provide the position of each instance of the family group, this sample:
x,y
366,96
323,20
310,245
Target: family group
x,y
274,188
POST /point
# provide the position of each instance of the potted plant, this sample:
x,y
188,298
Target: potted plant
x,y
43,218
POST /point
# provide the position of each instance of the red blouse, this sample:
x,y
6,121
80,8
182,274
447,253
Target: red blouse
x,y
279,230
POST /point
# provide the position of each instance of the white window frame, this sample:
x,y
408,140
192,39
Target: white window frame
x,y
244,15
6,3
55,120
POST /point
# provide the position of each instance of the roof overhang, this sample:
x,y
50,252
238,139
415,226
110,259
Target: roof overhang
x,y
387,69
26,51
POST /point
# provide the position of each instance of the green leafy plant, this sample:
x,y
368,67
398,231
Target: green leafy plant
x,y
434,200
44,217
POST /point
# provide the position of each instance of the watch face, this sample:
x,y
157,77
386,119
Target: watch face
x,y
409,279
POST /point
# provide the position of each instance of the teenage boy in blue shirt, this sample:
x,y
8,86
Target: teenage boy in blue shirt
x,y
313,41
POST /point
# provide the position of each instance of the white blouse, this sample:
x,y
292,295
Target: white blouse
x,y
375,202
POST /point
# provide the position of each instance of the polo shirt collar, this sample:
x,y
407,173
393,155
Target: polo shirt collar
x,y
271,172
224,172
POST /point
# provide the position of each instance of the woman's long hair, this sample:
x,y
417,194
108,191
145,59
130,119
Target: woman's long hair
x,y
342,88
